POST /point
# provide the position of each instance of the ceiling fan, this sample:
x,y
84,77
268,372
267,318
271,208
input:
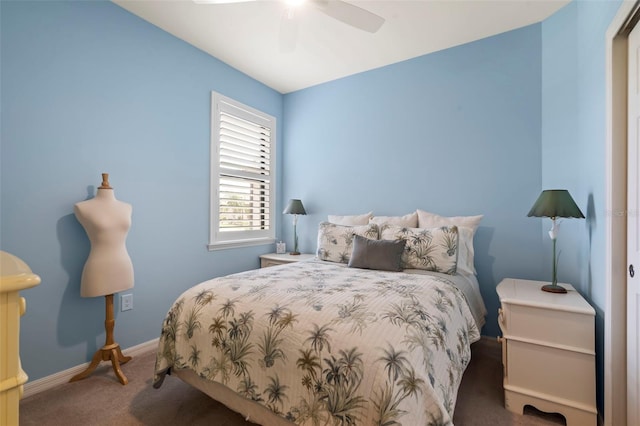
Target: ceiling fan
x,y
342,11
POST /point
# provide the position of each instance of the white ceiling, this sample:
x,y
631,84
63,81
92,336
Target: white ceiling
x,y
247,35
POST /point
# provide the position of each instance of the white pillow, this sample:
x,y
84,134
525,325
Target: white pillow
x,y
467,226
465,251
408,221
432,220
354,220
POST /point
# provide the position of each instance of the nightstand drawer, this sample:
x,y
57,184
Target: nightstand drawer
x,y
265,263
274,259
553,372
502,321
554,327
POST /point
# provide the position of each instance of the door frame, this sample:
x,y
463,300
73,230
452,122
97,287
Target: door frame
x,y
615,324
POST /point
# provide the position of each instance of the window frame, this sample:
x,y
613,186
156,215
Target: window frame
x,y
222,240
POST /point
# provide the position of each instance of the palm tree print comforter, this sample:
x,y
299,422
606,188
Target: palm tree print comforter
x,y
323,344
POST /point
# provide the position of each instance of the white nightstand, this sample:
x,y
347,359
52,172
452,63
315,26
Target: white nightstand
x,y
273,259
548,350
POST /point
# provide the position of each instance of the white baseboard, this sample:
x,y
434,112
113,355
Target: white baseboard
x,y
49,382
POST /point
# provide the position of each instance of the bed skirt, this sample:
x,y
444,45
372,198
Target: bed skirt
x,y
251,411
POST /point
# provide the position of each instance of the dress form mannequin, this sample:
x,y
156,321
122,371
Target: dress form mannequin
x,y
108,269
107,221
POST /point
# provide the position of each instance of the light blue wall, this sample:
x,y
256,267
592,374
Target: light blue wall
x,y
573,144
455,132
88,88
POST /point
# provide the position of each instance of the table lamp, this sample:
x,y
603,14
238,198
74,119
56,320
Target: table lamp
x,y
555,203
295,208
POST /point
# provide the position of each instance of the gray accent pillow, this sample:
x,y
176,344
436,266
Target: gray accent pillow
x,y
376,254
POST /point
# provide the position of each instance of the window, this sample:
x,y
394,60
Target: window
x,y
242,175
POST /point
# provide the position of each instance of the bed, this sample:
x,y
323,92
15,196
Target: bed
x,y
319,342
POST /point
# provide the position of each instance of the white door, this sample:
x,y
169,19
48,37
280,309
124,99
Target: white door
x,y
633,232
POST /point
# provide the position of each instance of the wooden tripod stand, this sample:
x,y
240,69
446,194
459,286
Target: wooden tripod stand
x,y
110,351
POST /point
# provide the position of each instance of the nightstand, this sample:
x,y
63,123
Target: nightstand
x,y
548,350
273,259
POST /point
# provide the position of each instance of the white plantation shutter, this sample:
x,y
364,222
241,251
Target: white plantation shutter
x,y
244,174
242,181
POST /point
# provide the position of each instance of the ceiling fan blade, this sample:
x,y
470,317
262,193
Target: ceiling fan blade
x,y
350,14
288,38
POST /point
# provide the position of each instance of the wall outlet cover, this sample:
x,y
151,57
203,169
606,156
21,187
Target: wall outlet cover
x,y
126,302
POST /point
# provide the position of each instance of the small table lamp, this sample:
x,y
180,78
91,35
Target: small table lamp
x,y
295,208
555,203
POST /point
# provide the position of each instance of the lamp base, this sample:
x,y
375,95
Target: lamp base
x,y
553,288
294,253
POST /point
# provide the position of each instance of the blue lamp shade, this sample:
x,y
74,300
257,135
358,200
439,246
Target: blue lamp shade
x,y
295,208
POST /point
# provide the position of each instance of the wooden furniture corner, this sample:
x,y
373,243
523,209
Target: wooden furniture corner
x,y
15,275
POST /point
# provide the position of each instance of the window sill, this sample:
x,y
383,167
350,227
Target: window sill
x,y
240,243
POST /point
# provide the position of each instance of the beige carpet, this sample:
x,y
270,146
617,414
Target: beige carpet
x,y
102,400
